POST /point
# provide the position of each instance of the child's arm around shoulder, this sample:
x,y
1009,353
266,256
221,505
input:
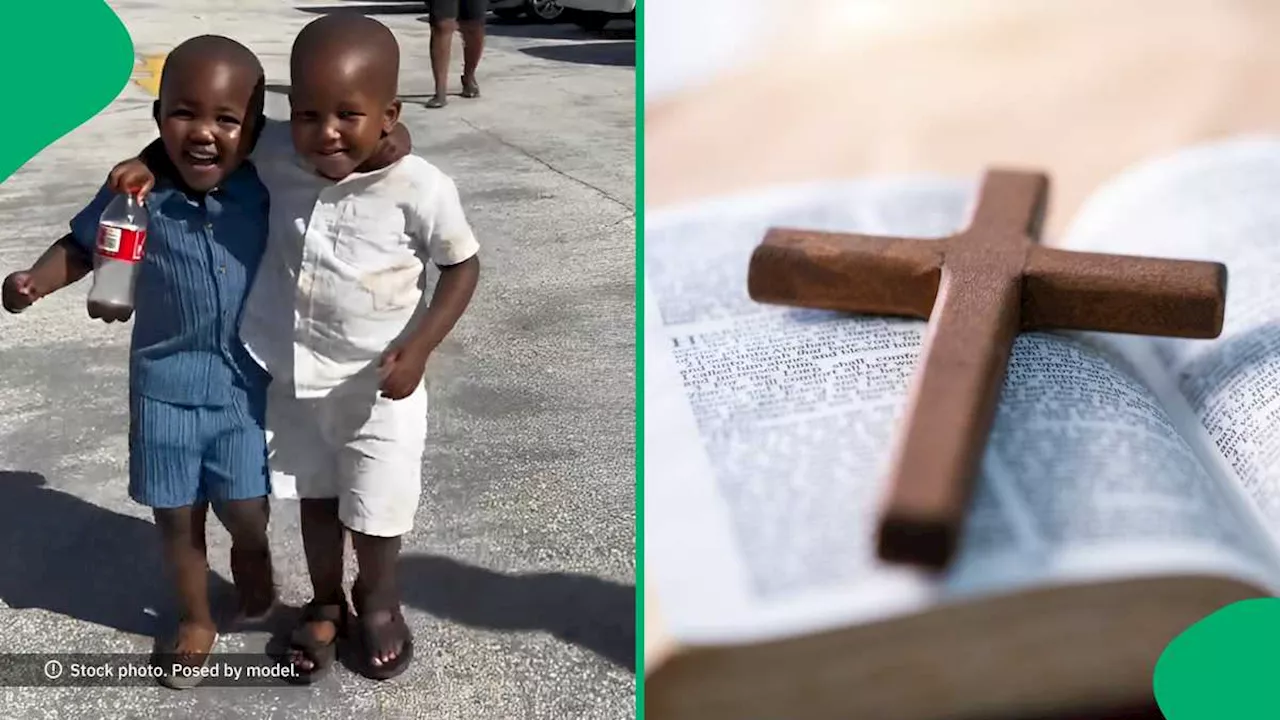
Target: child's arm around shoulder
x,y
64,262
438,223
273,146
394,147
138,174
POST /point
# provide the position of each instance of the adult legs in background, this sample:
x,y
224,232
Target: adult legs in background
x,y
472,25
448,17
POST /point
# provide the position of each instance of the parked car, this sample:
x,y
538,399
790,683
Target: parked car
x,y
539,10
595,14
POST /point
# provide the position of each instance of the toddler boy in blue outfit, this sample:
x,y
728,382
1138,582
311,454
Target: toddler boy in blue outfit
x,y
196,397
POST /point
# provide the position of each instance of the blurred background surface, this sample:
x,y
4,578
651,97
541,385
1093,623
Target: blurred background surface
x,y
743,94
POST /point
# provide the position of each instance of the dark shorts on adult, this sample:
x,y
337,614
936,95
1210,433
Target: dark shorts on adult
x,y
462,10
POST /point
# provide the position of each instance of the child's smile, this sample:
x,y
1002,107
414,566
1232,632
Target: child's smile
x,y
201,165
338,122
207,122
334,162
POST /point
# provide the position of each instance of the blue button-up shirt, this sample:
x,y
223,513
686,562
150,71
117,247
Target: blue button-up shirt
x,y
200,258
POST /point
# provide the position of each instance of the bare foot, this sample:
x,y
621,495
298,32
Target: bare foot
x,y
191,649
388,638
195,641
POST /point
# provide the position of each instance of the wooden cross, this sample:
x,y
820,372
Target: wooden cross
x,y
978,289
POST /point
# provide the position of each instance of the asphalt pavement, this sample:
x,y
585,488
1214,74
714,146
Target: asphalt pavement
x,y
519,580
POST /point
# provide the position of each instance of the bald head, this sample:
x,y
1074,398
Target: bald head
x,y
347,47
200,53
210,107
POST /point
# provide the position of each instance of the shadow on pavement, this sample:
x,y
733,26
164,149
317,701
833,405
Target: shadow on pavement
x,y
414,98
524,28
71,557
414,8
421,98
622,54
592,613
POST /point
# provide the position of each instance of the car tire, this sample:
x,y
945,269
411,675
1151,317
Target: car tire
x,y
509,13
545,11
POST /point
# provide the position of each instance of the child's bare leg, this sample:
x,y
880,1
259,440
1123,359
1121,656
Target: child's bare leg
x,y
377,594
185,555
246,521
199,523
322,544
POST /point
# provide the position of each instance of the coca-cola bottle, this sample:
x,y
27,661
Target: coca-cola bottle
x,y
122,235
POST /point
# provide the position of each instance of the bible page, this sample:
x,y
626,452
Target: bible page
x,y
767,432
1216,201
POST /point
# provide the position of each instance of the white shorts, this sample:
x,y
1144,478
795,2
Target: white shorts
x,y
353,445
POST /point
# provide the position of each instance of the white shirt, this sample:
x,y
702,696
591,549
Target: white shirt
x,y
344,274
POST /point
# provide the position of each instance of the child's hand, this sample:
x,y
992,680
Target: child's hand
x,y
401,371
19,292
131,176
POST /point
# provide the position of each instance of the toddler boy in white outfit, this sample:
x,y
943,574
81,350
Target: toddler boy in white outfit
x,y
336,315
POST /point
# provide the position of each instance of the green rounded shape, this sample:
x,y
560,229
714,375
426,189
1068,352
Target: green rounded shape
x,y
1224,666
64,62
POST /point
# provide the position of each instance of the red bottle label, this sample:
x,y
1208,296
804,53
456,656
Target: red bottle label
x,y
121,243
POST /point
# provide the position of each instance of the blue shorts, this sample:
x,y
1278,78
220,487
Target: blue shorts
x,y
179,454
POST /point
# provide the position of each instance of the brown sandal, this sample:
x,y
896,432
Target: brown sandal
x,y
303,642
373,634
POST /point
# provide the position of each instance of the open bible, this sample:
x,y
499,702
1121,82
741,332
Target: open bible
x,y
1130,485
